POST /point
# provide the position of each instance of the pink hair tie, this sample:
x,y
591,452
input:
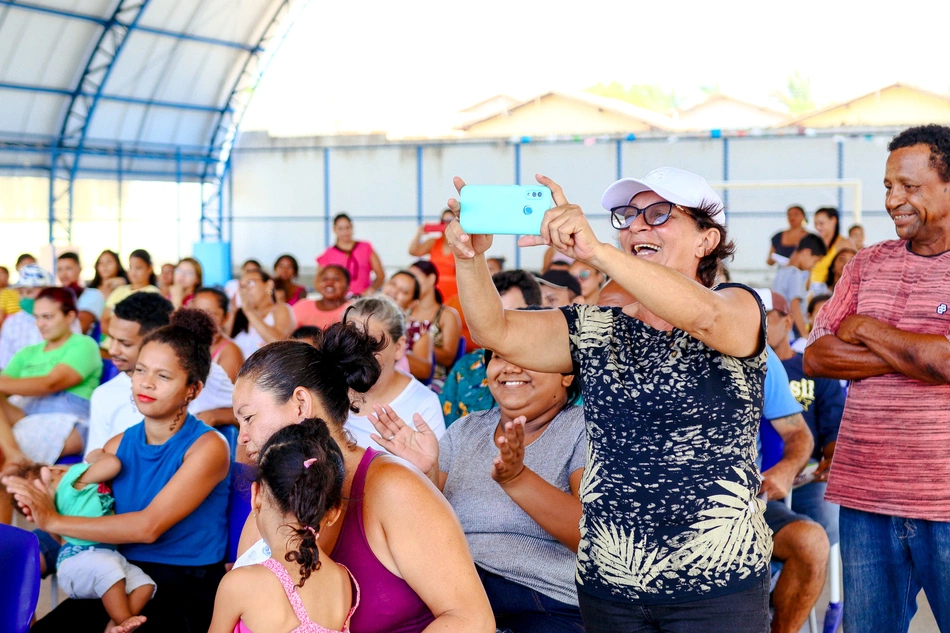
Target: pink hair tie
x,y
309,462
312,531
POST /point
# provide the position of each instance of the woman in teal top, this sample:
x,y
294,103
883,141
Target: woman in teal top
x,y
171,496
53,381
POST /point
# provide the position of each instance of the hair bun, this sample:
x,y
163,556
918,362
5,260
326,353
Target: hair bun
x,y
197,322
351,351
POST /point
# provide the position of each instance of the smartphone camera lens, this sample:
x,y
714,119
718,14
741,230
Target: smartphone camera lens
x,y
528,210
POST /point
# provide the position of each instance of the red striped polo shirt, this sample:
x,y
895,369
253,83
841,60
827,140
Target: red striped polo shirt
x,y
893,451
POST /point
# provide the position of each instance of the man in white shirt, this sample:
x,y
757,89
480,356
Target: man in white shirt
x,y
111,407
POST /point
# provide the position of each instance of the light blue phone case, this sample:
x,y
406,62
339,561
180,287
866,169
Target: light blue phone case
x,y
504,209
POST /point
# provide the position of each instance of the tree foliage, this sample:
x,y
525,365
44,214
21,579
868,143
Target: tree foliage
x,y
649,96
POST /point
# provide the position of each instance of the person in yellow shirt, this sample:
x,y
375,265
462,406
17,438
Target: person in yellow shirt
x,y
828,226
9,298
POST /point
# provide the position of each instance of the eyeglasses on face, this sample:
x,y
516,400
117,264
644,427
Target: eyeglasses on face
x,y
653,214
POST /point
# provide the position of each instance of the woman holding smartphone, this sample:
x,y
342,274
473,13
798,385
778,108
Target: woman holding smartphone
x,y
672,531
440,254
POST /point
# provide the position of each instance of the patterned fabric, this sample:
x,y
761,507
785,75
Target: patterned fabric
x,y
306,624
891,455
466,388
670,488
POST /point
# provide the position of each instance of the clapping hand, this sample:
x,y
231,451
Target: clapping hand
x,y
35,497
510,460
419,446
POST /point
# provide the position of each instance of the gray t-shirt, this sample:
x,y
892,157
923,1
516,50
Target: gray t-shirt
x,y
503,538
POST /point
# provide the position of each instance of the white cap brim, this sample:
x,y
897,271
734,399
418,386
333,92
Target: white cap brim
x,y
621,192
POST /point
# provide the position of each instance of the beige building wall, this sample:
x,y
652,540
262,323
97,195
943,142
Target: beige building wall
x,y
728,114
555,114
895,105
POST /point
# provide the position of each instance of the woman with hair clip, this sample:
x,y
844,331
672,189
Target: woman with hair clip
x,y
397,535
171,495
298,493
442,323
260,319
672,530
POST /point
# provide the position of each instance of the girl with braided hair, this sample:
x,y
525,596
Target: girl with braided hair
x,y
298,491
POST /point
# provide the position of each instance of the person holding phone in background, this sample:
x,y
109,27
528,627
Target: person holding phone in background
x,y
435,246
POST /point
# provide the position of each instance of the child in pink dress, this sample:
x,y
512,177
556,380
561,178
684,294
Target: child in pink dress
x,y
298,493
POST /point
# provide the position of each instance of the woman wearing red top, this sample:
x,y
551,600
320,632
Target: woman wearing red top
x,y
440,255
358,258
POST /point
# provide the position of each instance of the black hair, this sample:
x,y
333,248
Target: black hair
x,y
342,269
813,243
71,256
936,137
293,263
558,264
505,280
220,296
416,288
428,268
256,263
189,333
831,212
141,253
815,301
800,208
97,279
149,309
301,468
341,216
345,360
725,249
241,324
830,281
308,334
22,258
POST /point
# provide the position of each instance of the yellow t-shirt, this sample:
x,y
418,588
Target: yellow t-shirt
x,y
9,301
123,292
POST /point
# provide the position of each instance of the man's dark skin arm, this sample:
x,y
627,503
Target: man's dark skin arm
x,y
830,357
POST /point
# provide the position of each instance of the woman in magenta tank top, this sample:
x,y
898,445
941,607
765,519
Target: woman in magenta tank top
x,y
398,536
358,258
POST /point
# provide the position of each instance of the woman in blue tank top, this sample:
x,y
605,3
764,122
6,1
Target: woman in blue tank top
x,y
171,496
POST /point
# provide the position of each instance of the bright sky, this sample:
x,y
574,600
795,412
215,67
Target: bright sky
x,y
408,66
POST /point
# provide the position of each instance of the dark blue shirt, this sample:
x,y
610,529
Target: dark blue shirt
x,y
822,401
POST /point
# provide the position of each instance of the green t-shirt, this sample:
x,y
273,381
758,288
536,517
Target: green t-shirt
x,y
79,352
88,502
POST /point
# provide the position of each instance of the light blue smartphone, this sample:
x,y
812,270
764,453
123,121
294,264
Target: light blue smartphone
x,y
504,209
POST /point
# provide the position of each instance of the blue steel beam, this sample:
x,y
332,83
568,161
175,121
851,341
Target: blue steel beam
x,y
82,107
86,17
116,98
228,122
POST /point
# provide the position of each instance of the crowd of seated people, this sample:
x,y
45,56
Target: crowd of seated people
x,y
473,516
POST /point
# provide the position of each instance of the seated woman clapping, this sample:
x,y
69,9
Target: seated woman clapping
x,y
513,476
298,492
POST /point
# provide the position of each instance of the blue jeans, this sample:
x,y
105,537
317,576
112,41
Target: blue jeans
x,y
744,612
810,501
886,562
520,609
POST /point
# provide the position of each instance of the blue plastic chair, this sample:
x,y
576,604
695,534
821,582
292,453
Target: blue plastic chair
x,y
230,433
109,371
19,578
239,506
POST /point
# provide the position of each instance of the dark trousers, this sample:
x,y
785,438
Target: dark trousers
x,y
520,609
743,612
184,603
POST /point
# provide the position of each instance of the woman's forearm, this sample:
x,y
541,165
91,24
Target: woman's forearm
x,y
480,302
116,529
267,332
35,387
557,512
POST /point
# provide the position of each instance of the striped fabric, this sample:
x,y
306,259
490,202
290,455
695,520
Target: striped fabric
x,y
892,454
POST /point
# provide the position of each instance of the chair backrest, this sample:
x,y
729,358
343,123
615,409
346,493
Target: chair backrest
x,y
230,433
109,371
461,350
239,506
19,578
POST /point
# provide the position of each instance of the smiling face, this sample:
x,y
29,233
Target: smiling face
x,y
50,320
332,284
523,392
159,382
917,200
401,288
677,243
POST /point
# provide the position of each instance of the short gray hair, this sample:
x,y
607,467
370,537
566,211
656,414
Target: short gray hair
x,y
381,308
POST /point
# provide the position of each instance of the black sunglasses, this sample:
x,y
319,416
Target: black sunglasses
x,y
653,214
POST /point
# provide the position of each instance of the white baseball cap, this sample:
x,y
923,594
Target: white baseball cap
x,y
674,185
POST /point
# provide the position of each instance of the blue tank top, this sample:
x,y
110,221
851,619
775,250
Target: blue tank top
x,y
198,539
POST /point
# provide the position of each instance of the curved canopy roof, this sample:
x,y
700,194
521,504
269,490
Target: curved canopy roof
x,y
151,88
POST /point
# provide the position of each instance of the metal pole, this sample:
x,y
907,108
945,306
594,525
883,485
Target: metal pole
x,y
178,195
725,176
517,182
119,211
419,211
326,197
840,143
619,159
